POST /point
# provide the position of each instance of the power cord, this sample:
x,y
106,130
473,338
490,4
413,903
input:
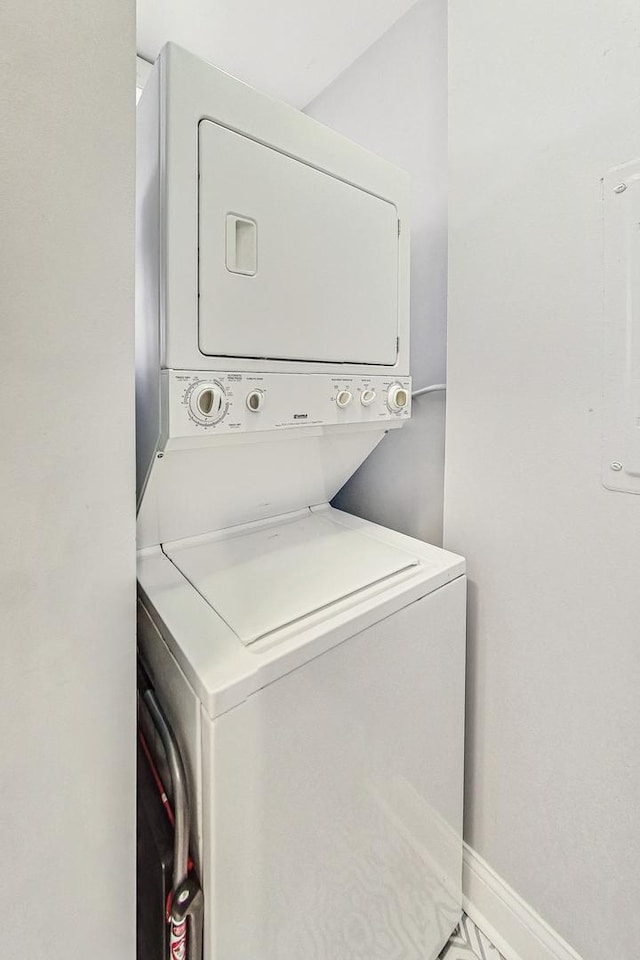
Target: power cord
x,y
433,388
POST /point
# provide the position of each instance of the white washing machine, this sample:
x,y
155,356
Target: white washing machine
x,y
311,663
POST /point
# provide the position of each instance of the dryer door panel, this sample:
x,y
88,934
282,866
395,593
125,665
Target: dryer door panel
x,y
294,264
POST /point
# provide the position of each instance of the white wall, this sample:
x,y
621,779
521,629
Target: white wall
x,y
67,716
544,99
393,100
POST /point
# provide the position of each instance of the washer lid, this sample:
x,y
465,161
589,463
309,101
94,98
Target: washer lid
x,y
274,573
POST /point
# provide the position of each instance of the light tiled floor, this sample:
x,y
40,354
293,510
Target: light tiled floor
x,y
469,943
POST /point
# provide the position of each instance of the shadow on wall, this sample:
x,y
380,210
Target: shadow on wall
x,y
389,488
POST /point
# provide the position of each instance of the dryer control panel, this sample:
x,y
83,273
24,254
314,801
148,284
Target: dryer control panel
x,y
204,402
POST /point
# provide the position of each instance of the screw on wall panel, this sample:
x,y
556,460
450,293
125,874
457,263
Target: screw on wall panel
x,y
620,188
616,465
160,456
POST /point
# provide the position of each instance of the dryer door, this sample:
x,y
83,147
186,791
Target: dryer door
x,y
294,264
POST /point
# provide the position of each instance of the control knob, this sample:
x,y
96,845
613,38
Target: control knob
x,y
207,402
255,400
397,398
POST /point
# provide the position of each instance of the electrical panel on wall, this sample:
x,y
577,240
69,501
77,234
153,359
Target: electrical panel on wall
x,y
621,428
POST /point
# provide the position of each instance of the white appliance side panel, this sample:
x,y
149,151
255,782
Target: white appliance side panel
x,y
294,264
148,277
333,799
182,708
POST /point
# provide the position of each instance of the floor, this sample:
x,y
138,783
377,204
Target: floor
x,y
469,943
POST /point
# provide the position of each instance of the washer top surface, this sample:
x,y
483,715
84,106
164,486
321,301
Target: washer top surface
x,y
298,584
262,579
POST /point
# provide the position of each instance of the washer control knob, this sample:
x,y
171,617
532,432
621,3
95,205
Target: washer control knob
x,y
207,402
255,399
397,398
367,397
344,398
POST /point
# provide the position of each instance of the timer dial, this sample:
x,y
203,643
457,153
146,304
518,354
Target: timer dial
x,y
207,402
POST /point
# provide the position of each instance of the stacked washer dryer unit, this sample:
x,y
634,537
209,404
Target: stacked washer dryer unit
x,y
311,663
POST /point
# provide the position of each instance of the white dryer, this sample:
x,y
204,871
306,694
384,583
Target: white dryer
x,y
311,663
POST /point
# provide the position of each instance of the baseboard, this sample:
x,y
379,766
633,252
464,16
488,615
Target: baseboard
x,y
512,925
